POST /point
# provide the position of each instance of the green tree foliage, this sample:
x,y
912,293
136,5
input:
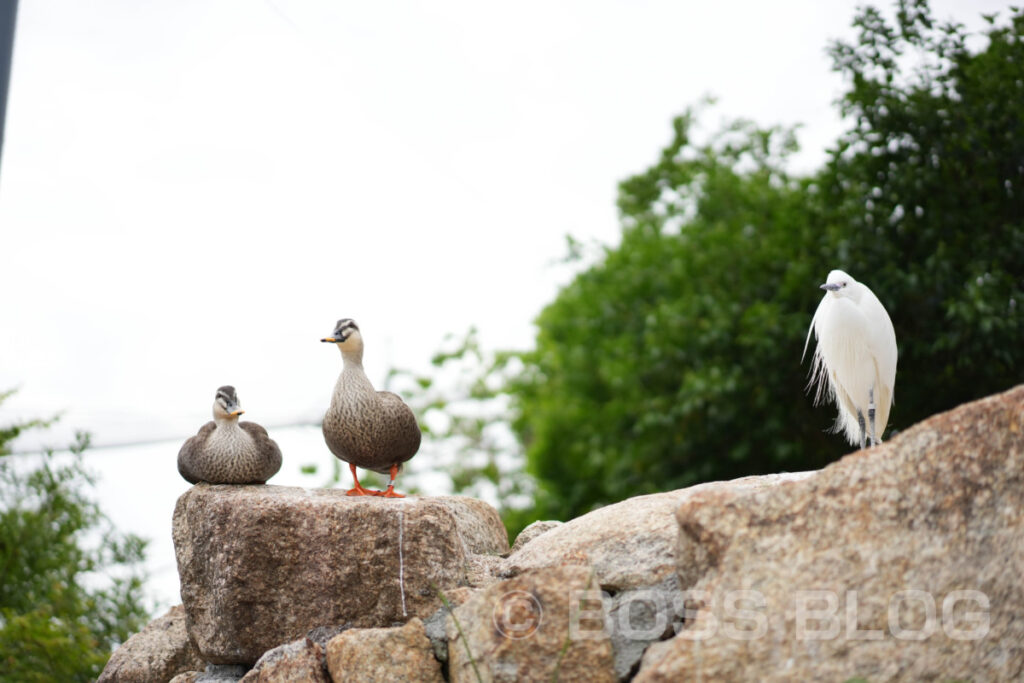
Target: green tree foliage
x,y
670,361
70,587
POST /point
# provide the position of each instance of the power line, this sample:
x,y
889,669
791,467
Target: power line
x,y
142,442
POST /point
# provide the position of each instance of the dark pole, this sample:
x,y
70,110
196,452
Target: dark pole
x,y
8,12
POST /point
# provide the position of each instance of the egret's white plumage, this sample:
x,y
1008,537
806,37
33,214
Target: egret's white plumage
x,y
854,364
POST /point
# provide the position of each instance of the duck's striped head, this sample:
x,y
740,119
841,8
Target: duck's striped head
x,y
225,403
343,329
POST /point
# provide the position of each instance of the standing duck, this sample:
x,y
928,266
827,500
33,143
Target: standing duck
x,y
364,427
227,451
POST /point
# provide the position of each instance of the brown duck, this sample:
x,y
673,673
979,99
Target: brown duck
x,y
227,451
364,427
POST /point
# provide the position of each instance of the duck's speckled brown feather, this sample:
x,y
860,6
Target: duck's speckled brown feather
x,y
367,428
245,454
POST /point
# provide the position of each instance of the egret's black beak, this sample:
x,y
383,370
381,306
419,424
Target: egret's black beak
x,y
830,286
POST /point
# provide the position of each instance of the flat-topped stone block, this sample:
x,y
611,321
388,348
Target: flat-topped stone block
x,y
260,566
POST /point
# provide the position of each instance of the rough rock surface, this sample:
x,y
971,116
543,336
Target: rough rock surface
x,y
632,547
827,561
321,634
221,673
631,544
402,655
479,524
435,624
157,653
483,570
533,531
637,617
187,677
520,630
262,565
300,661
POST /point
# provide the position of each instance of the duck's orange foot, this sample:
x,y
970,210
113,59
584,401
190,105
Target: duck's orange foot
x,y
360,491
390,493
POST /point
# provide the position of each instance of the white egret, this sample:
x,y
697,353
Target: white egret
x,y
854,364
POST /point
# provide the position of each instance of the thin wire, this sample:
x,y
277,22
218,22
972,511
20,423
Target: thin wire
x,y
144,442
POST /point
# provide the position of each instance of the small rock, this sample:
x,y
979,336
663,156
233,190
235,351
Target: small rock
x,y
221,673
533,531
434,625
533,627
638,617
322,634
157,653
300,660
383,654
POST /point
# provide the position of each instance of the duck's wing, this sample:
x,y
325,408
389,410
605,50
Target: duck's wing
x,y
404,430
192,450
265,446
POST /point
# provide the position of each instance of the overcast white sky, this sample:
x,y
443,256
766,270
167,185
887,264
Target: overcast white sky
x,y
193,191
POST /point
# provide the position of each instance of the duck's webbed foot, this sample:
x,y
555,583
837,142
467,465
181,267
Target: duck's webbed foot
x,y
358,489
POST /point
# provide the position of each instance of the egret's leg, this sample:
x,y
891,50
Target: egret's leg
x,y
871,415
860,421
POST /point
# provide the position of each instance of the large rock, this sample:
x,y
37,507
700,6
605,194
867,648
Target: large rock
x,y
260,566
902,562
531,628
631,544
400,655
157,653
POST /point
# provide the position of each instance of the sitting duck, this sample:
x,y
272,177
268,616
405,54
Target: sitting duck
x,y
227,451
